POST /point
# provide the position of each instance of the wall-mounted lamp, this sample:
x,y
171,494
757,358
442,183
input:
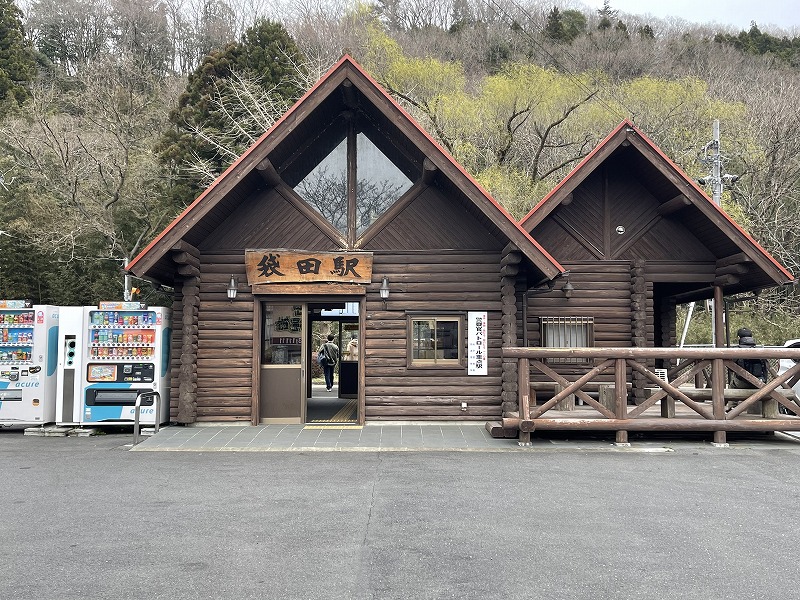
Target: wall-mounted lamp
x,y
233,287
568,289
384,290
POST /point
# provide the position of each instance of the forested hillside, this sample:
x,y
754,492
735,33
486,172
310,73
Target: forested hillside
x,y
114,115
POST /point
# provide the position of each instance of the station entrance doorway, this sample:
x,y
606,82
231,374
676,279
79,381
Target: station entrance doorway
x,y
292,387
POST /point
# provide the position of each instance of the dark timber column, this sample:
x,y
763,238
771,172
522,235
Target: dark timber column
x,y
509,268
718,368
638,322
667,329
189,261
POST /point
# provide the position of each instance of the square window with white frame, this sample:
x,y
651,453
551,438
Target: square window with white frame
x,y
435,341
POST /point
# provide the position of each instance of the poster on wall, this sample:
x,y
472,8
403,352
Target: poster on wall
x,y
477,358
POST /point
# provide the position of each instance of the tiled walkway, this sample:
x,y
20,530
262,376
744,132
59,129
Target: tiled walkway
x,y
311,437
400,437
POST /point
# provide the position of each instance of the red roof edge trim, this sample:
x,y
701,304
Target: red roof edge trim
x,y
716,207
235,163
347,59
455,164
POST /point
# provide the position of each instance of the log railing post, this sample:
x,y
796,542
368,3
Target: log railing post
x,y
523,370
718,397
621,396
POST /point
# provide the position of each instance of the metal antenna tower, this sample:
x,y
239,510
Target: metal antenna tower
x,y
711,155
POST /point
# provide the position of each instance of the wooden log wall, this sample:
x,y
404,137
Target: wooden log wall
x,y
639,320
508,292
175,351
602,290
224,342
423,282
187,260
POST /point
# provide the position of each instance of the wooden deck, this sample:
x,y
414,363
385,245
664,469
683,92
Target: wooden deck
x,y
672,404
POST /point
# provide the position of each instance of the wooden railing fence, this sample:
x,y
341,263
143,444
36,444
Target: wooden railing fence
x,y
612,408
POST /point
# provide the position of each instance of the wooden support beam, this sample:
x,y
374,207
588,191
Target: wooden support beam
x,y
733,259
188,271
509,270
184,246
184,258
738,269
677,203
429,171
349,94
725,280
567,199
719,316
268,173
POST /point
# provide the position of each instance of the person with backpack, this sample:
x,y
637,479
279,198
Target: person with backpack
x,y
328,357
757,367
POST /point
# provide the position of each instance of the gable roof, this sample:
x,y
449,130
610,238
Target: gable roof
x,y
676,192
287,135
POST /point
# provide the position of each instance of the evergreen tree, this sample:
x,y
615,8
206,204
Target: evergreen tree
x,y
267,54
646,32
574,22
17,59
607,16
554,29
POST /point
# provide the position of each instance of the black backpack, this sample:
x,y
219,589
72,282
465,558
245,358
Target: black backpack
x,y
754,366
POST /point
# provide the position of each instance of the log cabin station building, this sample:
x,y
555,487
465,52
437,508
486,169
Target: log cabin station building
x,y
561,321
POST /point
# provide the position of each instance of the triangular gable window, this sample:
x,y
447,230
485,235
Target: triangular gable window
x,y
378,183
325,187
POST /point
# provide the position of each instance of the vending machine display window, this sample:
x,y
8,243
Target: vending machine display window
x,y
102,373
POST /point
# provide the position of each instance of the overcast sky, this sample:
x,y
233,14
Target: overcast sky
x,y
782,13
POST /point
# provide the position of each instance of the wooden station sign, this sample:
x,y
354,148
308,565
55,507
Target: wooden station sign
x,y
293,266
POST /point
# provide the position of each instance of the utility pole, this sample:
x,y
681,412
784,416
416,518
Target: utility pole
x,y
711,155
127,282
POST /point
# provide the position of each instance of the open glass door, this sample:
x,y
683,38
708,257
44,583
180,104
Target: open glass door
x,y
282,394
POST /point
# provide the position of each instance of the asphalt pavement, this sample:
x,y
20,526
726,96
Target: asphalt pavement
x,y
575,519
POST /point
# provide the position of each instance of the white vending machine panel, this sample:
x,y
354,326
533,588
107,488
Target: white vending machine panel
x,y
28,342
127,353
71,351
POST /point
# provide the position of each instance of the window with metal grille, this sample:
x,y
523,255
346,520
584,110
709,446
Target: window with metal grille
x,y
567,332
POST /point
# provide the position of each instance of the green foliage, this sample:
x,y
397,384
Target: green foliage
x,y
756,42
770,328
268,56
17,59
554,28
574,23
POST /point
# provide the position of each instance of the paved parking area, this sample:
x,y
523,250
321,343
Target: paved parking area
x,y
568,519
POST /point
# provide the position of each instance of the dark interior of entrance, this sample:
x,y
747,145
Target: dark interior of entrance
x,y
340,404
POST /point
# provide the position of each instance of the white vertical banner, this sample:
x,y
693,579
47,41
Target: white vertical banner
x,y
477,347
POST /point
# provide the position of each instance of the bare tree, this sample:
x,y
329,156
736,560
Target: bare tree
x,y
86,173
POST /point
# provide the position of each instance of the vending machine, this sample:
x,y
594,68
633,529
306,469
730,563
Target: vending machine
x,y
28,338
127,353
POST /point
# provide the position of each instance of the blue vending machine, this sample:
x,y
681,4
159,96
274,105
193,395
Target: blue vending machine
x,y
28,351
127,353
